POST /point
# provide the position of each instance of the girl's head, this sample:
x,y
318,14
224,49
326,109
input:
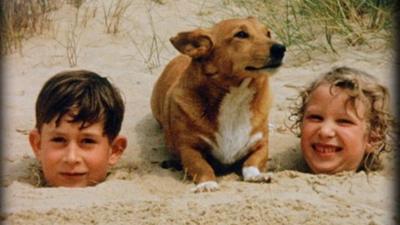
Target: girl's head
x,y
344,120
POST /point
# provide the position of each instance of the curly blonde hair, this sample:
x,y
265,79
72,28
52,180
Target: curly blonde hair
x,y
361,86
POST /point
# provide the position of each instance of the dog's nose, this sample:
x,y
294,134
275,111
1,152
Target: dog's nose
x,y
277,51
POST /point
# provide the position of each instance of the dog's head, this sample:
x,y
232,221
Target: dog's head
x,y
241,47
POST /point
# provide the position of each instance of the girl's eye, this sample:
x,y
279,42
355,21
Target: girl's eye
x,y
314,117
58,139
345,121
242,35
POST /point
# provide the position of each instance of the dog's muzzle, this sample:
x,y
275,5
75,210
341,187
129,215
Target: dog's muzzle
x,y
276,54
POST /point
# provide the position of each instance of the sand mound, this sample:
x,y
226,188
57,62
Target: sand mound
x,y
138,190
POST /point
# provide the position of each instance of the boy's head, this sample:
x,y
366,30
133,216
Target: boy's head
x,y
78,119
343,118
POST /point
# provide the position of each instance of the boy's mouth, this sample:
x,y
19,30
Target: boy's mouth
x,y
325,148
72,174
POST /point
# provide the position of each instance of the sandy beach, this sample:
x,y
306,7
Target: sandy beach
x,y
138,190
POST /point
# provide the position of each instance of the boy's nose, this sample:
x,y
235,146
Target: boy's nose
x,y
72,154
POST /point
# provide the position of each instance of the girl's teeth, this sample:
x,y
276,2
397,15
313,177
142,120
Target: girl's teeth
x,y
325,149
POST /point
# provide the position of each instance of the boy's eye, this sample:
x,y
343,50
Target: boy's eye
x,y
58,139
89,141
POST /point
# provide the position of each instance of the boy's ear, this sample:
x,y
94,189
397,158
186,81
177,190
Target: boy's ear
x,y
117,148
34,140
197,43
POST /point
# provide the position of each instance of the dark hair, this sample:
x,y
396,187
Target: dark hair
x,y
361,86
90,97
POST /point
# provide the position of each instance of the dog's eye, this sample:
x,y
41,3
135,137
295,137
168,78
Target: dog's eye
x,y
269,34
241,34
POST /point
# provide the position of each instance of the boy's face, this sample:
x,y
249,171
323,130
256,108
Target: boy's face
x,y
334,137
73,157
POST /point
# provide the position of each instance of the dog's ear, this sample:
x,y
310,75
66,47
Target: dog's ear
x,y
196,44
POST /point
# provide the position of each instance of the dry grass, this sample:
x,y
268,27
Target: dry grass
x,y
85,12
22,19
150,51
305,26
72,38
113,13
72,46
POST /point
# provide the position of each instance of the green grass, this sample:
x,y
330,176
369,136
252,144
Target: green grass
x,y
313,25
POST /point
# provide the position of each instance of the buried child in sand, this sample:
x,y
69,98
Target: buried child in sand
x,y
344,121
78,119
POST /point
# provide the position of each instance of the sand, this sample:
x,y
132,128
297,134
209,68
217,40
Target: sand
x,y
138,190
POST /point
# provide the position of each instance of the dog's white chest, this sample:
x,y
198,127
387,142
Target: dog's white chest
x,y
233,139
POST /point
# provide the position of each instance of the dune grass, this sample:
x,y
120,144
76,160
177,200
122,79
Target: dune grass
x,y
305,25
310,25
113,13
22,19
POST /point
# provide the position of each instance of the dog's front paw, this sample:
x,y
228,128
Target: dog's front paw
x,y
207,186
252,174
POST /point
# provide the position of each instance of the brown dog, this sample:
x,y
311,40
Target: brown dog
x,y
213,100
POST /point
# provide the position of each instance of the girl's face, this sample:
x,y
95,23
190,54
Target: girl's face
x,y
334,135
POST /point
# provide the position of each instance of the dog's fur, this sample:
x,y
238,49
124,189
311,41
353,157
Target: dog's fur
x,y
213,100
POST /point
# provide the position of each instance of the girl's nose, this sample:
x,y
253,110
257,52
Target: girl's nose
x,y
327,130
72,153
